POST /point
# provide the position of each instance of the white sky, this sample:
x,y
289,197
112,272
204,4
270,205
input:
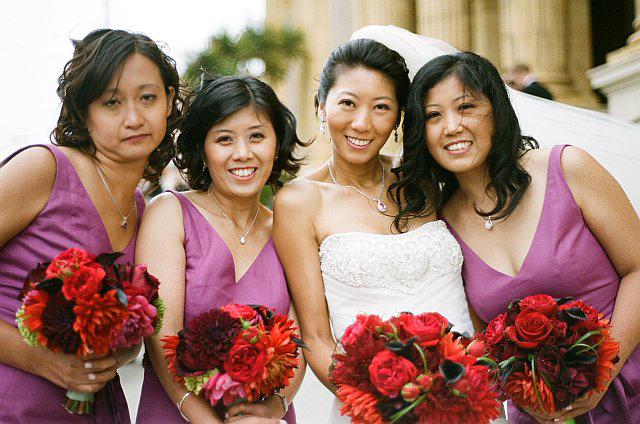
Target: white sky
x,y
35,44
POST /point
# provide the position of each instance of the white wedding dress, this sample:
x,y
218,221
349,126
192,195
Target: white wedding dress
x,y
418,271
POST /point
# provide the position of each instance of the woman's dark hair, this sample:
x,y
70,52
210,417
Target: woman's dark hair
x,y
424,186
370,54
96,58
216,100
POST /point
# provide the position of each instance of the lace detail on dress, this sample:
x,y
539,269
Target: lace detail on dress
x,y
405,262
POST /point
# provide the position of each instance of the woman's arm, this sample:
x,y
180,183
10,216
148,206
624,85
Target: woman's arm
x,y
295,240
613,221
26,182
160,246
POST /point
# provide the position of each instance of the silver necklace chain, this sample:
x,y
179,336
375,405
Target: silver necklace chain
x,y
243,238
382,208
123,218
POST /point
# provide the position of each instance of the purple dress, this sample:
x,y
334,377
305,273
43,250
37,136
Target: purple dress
x,y
564,259
69,219
210,283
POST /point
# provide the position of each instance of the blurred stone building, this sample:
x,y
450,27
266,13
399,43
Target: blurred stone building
x,y
560,40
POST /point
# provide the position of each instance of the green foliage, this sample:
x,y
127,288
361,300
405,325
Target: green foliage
x,y
194,384
159,304
227,55
29,336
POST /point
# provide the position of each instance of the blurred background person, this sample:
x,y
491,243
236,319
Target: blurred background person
x,y
520,78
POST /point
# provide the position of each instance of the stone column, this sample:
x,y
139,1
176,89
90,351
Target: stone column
x,y
384,12
635,37
447,20
485,38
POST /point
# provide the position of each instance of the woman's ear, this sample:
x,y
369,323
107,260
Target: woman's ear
x,y
170,96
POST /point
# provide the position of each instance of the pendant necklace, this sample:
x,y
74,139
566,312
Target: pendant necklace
x,y
243,238
123,222
382,208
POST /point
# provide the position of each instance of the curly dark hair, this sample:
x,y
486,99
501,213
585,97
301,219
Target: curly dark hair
x,y
217,99
423,186
368,54
85,77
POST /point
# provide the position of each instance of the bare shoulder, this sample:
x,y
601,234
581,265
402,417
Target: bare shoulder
x,y
576,161
33,166
164,210
301,193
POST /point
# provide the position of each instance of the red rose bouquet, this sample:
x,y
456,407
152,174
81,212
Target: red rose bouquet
x,y
550,352
234,352
411,369
80,303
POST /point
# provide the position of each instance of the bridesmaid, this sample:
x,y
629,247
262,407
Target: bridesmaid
x,y
528,221
212,245
120,107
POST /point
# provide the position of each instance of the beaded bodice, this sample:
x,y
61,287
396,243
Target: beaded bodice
x,y
418,271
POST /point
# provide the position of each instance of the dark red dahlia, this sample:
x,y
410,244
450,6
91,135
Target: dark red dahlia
x,y
206,341
57,325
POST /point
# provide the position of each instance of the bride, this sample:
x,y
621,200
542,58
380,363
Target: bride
x,y
332,228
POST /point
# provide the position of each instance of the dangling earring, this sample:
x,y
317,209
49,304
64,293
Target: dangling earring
x,y
395,134
321,126
204,167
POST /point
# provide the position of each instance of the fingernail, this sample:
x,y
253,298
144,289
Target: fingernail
x,y
555,420
283,422
568,408
91,376
88,364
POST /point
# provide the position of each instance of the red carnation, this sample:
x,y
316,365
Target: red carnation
x,y
244,312
531,329
495,330
540,303
85,281
68,262
389,372
363,324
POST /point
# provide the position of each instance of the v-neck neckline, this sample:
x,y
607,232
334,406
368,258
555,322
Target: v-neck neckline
x,y
226,247
536,234
95,209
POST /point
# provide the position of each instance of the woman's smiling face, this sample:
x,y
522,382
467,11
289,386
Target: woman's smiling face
x,y
459,126
360,111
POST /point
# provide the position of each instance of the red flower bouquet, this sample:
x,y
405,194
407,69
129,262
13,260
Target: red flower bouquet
x,y
550,352
411,369
234,352
80,303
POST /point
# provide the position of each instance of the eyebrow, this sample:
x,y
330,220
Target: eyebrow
x,y
140,87
456,99
356,96
250,128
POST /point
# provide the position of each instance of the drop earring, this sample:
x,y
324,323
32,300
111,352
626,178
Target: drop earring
x,y
321,125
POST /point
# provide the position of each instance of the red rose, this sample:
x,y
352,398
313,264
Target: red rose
x,y
540,303
549,365
531,329
245,312
246,362
83,282
364,324
429,327
495,330
389,372
68,262
142,283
